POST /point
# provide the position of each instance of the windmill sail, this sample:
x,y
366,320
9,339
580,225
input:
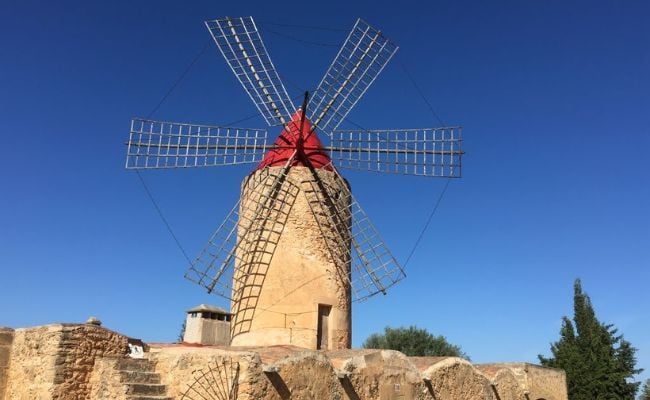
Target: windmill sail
x,y
156,144
426,152
248,237
373,269
241,45
362,57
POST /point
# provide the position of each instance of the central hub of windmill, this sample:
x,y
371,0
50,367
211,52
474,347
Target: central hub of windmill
x,y
298,137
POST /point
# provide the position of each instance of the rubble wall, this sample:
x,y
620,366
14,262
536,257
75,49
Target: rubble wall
x,y
537,382
193,369
455,378
105,381
546,383
382,375
56,361
504,382
79,362
6,339
33,362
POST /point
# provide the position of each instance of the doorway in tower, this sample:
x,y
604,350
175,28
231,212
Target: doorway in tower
x,y
323,326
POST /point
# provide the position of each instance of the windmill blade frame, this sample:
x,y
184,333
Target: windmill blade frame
x,y
434,152
248,238
373,268
241,45
361,59
159,144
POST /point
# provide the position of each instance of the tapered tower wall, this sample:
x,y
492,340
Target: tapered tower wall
x,y
291,283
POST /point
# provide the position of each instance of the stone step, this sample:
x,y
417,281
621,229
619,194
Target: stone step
x,y
135,364
139,377
146,389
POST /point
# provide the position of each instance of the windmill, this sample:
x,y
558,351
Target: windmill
x,y
297,248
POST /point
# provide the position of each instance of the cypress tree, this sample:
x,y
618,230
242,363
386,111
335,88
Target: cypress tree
x,y
645,392
598,362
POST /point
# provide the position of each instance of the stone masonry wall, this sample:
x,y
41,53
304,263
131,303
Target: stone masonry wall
x,y
79,362
180,367
538,382
291,260
56,361
6,338
288,372
32,363
546,383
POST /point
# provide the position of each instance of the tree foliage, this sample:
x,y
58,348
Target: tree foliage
x,y
598,362
412,341
645,392
181,334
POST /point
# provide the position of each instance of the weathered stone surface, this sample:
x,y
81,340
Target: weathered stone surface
x,y
73,362
382,375
540,382
56,361
6,339
180,366
106,380
277,294
33,363
504,382
307,375
455,378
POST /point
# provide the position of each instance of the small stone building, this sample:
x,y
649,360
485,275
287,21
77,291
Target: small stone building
x,y
207,325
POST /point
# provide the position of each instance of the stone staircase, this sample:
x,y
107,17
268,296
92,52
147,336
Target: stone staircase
x,y
140,380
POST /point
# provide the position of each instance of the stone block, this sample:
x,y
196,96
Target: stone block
x,y
6,336
5,353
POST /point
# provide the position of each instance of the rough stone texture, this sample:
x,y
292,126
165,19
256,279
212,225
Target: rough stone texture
x,y
89,362
307,375
180,366
382,375
538,382
105,380
277,293
504,382
6,339
56,361
455,378
34,354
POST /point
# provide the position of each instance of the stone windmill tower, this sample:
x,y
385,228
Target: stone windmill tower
x,y
297,249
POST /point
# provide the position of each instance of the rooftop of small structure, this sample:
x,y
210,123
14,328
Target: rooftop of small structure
x,y
207,308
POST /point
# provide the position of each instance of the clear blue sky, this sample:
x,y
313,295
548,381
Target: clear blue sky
x,y
554,97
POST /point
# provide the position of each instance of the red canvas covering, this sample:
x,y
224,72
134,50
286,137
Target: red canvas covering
x,y
288,142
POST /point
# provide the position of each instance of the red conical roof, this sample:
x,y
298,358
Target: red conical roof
x,y
285,145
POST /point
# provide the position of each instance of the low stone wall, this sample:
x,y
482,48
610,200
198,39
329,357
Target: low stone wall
x,y
504,383
187,369
287,372
455,378
6,339
56,361
306,375
32,361
66,361
382,374
536,382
